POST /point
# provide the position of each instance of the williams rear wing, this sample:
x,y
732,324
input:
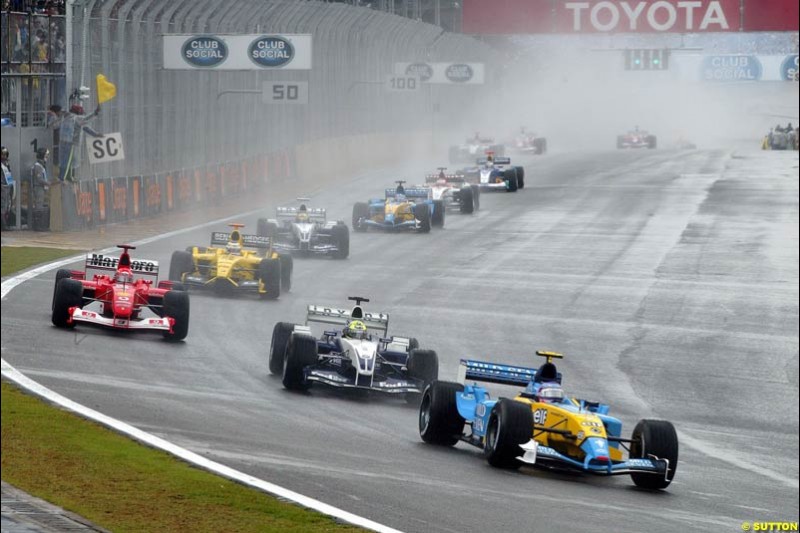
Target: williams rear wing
x,y
493,373
221,238
141,267
315,214
340,317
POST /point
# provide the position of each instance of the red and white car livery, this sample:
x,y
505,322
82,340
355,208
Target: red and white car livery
x,y
453,191
636,139
526,142
119,293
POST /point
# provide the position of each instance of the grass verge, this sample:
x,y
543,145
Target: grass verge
x,y
16,258
117,483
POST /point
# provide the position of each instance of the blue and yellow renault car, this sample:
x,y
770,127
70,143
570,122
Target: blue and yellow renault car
x,y
543,427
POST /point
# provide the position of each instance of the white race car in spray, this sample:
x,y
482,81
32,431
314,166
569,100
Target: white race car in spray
x,y
473,147
453,191
394,365
304,231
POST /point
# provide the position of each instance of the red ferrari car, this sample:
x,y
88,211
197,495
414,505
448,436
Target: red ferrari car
x,y
121,295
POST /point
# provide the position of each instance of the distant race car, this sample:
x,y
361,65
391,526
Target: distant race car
x,y
350,356
780,139
493,173
228,266
453,191
526,142
473,147
542,427
402,209
120,295
304,231
636,139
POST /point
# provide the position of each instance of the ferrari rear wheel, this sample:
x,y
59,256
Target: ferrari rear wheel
x,y
69,293
176,306
658,438
510,424
61,274
300,353
439,420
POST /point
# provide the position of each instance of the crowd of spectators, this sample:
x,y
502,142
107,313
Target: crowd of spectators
x,y
35,7
33,37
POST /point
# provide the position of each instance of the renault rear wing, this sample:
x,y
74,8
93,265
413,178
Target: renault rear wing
x,y
410,193
341,317
221,238
143,267
472,370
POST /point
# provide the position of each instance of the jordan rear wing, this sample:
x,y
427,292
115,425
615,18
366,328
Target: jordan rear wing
x,y
140,267
315,214
221,238
341,317
472,370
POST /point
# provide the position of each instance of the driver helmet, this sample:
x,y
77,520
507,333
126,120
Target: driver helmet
x,y
356,329
302,213
550,392
234,248
123,276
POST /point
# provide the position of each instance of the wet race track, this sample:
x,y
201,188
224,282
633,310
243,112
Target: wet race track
x,y
668,279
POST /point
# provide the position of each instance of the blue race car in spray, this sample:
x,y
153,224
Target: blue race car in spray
x,y
402,209
542,427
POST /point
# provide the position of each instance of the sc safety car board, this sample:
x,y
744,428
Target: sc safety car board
x,y
97,261
251,241
332,315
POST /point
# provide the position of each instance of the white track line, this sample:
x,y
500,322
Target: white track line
x,y
12,374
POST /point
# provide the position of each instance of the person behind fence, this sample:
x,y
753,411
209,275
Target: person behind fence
x,y
9,190
72,122
40,184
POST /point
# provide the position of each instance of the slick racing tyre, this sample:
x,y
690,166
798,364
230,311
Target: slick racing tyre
x,y
422,365
300,353
61,274
476,196
520,177
69,293
277,348
269,273
658,438
510,175
437,218
439,421
176,305
287,266
466,200
180,264
510,424
360,216
423,214
341,238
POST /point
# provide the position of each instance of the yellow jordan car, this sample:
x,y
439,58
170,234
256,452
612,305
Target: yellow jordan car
x,y
234,262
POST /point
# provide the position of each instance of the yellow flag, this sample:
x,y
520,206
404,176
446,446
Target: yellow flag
x,y
105,89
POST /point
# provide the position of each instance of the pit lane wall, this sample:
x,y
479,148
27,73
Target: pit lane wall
x,y
99,201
